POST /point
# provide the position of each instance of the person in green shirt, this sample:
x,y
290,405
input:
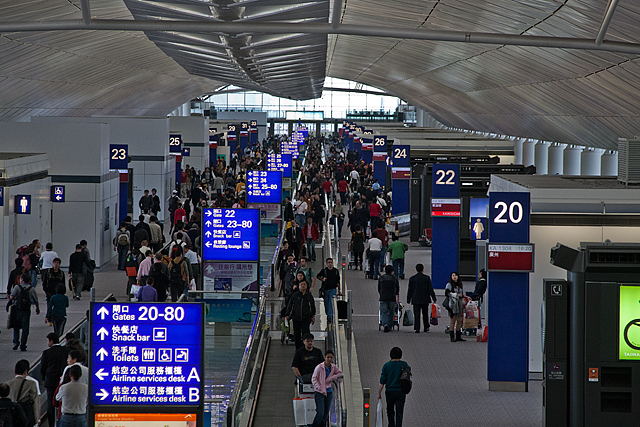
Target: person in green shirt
x,y
57,310
397,250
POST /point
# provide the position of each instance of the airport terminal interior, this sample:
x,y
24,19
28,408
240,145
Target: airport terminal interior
x,y
456,182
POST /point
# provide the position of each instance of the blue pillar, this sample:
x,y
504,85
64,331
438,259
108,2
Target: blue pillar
x,y
445,231
124,196
178,172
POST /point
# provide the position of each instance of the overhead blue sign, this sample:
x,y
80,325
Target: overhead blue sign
x,y
57,193
280,162
186,152
118,157
264,187
290,147
22,204
175,144
231,234
146,354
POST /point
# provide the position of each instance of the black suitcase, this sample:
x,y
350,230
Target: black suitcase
x,y
342,310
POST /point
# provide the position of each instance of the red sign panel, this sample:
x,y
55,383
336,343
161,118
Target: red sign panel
x,y
400,173
446,207
515,257
379,157
368,146
213,144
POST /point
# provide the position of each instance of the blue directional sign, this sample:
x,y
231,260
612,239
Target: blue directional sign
x,y
1,196
264,187
57,193
22,204
146,354
186,152
231,234
118,157
290,147
280,162
175,144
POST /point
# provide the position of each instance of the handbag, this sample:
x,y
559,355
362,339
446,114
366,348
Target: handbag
x,y
445,303
11,318
407,318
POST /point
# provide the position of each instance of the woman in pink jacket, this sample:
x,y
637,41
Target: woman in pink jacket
x,y
323,375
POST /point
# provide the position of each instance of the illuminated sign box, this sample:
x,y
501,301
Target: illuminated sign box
x,y
264,187
510,257
280,162
446,207
231,234
146,420
146,354
629,330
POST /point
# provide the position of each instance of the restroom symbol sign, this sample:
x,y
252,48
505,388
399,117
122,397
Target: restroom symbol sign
x,y
164,355
148,354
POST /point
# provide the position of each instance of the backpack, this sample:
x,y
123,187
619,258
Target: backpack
x,y
406,380
175,272
26,261
123,238
22,251
11,415
23,302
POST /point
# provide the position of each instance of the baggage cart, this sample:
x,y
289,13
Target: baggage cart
x,y
397,316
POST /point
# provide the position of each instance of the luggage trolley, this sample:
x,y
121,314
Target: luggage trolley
x,y
397,316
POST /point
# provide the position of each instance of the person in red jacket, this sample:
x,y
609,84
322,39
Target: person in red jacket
x,y
343,186
374,214
311,235
180,215
326,186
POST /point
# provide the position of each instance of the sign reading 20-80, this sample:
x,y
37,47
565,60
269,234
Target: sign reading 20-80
x,y
231,234
146,354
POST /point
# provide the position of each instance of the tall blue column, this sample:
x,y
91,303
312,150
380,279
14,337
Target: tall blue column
x,y
445,231
123,200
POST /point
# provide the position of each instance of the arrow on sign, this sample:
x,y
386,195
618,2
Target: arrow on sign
x,y
101,374
209,268
207,213
208,223
208,234
208,244
103,394
102,353
58,197
103,312
102,333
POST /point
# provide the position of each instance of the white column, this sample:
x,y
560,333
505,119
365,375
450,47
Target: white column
x,y
590,162
555,156
609,164
186,109
517,150
528,153
542,158
571,160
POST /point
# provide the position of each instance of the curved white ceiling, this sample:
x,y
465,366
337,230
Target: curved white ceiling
x,y
584,97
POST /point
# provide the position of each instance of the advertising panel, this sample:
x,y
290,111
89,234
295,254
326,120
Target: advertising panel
x,y
629,341
223,278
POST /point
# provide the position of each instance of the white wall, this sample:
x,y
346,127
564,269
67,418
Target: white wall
x,y
18,230
545,238
148,141
194,130
78,157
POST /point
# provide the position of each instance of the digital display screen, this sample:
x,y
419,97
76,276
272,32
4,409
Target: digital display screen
x,y
510,257
280,162
446,207
231,234
146,354
145,420
478,207
264,187
629,341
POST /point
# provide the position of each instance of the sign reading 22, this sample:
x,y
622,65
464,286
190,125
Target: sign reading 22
x,y
451,174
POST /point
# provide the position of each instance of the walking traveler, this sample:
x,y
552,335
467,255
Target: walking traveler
x,y
330,278
375,250
454,296
57,310
302,310
389,290
420,294
390,379
11,413
323,375
306,359
73,396
397,250
24,391
22,296
53,362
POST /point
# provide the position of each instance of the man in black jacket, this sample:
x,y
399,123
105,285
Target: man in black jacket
x,y
302,310
294,237
389,289
420,294
288,210
54,360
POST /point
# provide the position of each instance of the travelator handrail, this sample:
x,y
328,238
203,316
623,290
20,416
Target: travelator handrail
x,y
241,406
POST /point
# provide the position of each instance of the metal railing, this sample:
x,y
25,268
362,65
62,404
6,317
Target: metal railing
x,y
339,406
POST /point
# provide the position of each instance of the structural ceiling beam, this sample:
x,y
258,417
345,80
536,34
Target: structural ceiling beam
x,y
606,20
315,28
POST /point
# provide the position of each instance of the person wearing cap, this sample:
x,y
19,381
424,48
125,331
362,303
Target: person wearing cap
x,y
306,359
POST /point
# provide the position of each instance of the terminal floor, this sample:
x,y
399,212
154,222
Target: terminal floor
x,y
449,379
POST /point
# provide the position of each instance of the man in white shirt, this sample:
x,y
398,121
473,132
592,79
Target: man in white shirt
x,y
194,260
47,258
375,250
355,176
75,359
73,396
